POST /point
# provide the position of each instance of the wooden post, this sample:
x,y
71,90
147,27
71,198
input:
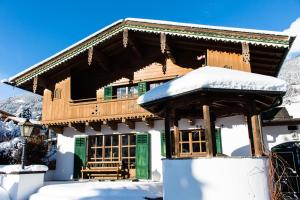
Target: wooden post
x,y
176,137
250,134
256,133
208,131
258,146
168,135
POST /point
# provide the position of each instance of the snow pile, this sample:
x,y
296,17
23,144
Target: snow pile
x,y
4,194
206,78
18,168
116,190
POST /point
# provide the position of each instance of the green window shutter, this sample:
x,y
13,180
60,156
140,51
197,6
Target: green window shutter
x,y
163,143
218,140
142,88
107,92
79,155
143,156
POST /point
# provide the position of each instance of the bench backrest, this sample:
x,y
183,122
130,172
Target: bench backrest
x,y
100,164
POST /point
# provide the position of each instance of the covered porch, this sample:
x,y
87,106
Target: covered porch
x,y
212,93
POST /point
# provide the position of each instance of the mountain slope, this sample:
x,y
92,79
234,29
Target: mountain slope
x,y
15,105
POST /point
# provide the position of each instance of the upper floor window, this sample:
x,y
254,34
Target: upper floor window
x,y
127,91
154,85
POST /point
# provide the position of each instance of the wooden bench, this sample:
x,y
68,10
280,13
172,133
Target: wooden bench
x,y
103,170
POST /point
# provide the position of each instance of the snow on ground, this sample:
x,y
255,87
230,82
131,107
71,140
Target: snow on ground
x,y
3,194
105,190
18,168
214,78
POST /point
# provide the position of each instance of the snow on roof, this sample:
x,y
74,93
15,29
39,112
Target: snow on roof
x,y
20,119
214,78
145,21
209,27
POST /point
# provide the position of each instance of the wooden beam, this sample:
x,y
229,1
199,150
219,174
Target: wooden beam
x,y
125,37
112,124
168,135
129,123
96,126
257,138
101,60
256,131
176,137
250,135
149,122
208,131
57,129
80,127
135,47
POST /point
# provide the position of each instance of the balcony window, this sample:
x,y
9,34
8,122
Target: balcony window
x,y
127,91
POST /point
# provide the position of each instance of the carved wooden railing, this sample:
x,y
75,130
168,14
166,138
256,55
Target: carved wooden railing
x,y
93,110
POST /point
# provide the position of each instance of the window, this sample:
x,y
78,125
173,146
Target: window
x,y
192,142
154,85
127,91
113,148
121,92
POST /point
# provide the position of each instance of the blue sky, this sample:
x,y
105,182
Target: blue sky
x,y
31,31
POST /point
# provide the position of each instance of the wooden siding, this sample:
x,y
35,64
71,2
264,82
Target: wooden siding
x,y
154,71
63,110
227,60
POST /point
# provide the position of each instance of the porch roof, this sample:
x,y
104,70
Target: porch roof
x,y
218,85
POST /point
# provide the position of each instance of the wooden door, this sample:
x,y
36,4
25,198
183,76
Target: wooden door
x,y
79,155
143,156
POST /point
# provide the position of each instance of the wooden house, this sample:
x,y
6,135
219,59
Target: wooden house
x,y
90,93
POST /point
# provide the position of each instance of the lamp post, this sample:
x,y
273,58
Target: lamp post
x,y
26,130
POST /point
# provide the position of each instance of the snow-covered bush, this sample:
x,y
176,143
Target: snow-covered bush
x,y
11,151
8,130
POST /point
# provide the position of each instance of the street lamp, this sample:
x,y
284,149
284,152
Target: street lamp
x,y
26,130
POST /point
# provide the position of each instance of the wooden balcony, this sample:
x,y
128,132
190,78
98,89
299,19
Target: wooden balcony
x,y
60,112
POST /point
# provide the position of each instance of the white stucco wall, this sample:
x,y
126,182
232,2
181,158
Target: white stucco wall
x,y
65,146
216,178
234,133
275,135
21,186
235,136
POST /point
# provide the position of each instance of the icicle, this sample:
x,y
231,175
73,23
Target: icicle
x,y
90,55
163,42
245,52
34,86
125,37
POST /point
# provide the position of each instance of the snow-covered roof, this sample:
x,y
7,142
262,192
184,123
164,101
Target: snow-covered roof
x,y
214,78
209,27
20,119
233,35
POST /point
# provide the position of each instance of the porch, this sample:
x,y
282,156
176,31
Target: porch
x,y
212,93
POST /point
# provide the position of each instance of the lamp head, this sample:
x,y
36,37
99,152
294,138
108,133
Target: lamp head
x,y
26,128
